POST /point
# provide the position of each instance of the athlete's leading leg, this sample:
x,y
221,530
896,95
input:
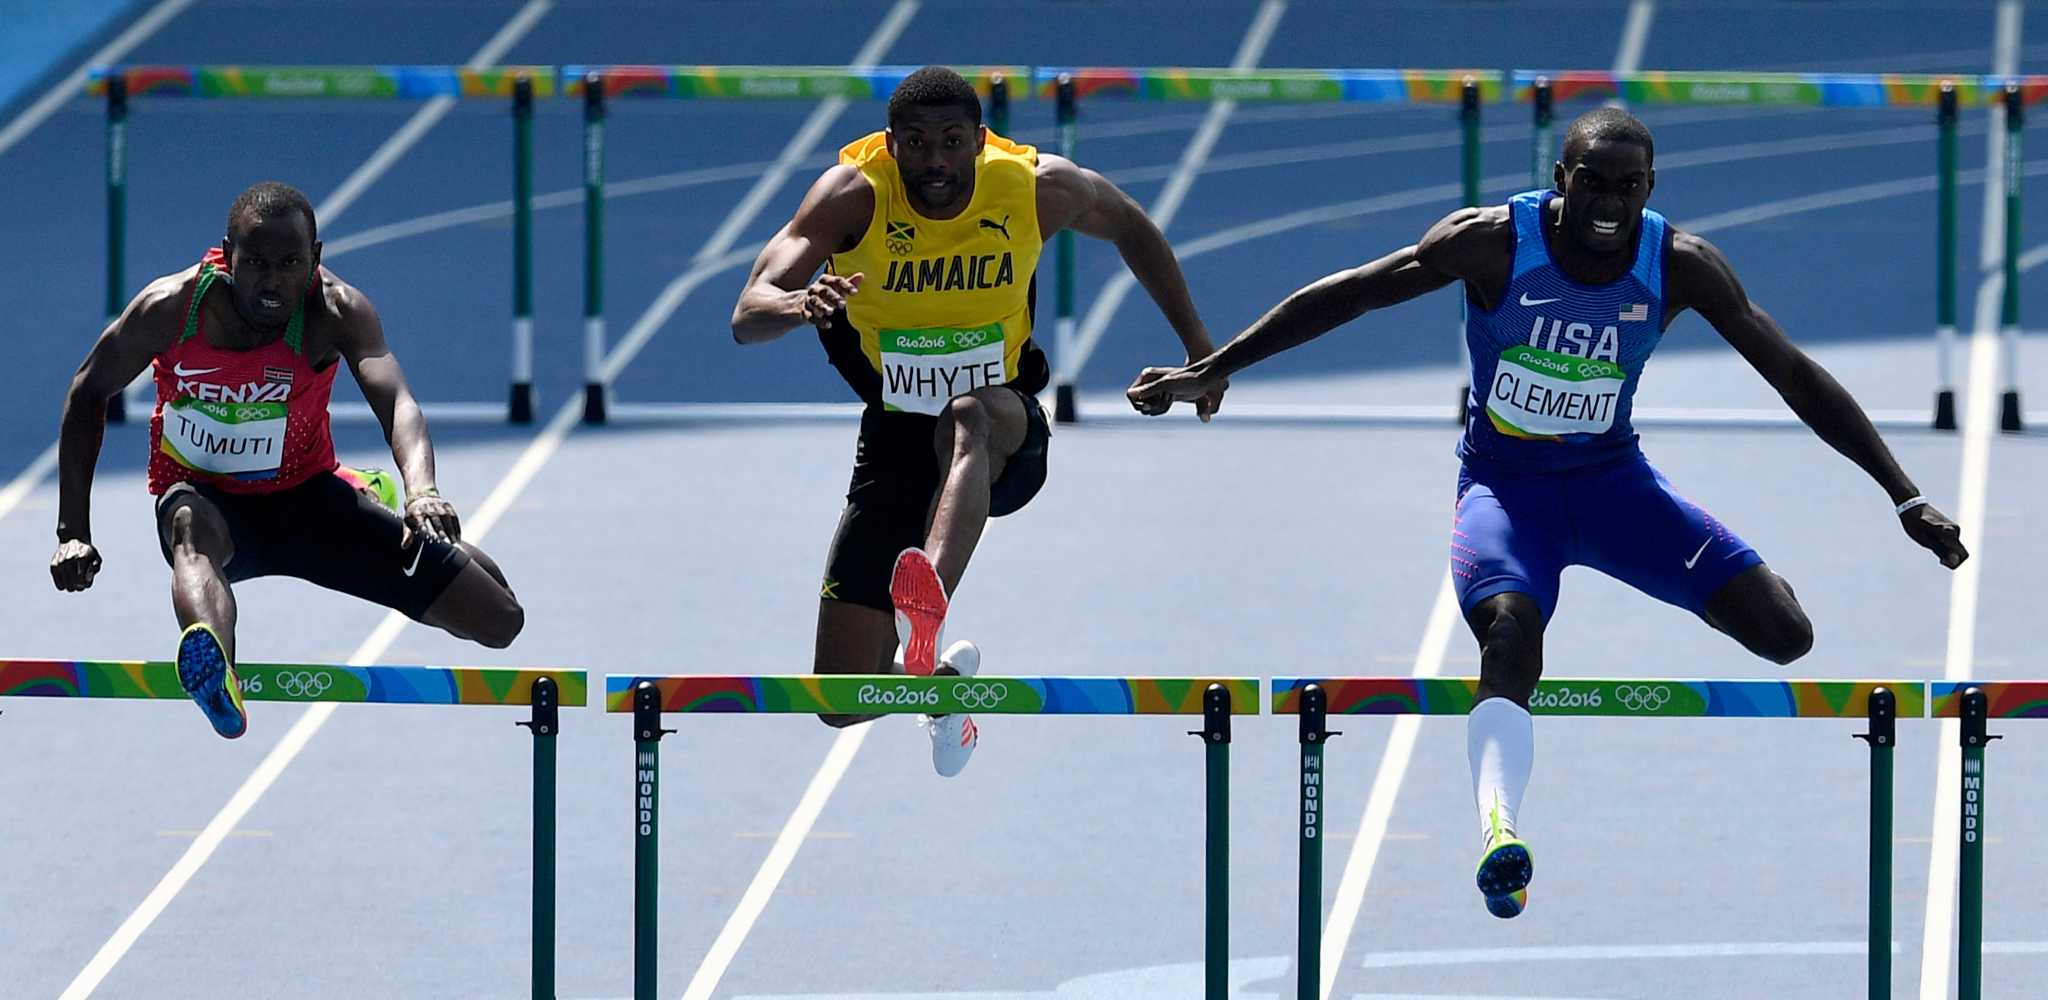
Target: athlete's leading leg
x,y
975,438
1759,610
196,535
974,441
1506,558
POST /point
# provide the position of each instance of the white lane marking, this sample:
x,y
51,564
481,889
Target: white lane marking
x,y
73,84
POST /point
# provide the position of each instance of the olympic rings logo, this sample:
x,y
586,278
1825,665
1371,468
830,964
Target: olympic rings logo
x,y
983,696
1648,698
1590,369
251,413
304,683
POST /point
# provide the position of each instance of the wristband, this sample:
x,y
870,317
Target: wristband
x,y
1915,501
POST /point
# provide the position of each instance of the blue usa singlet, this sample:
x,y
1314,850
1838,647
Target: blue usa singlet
x,y
1555,364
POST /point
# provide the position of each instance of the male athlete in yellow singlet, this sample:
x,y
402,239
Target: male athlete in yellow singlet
x,y
930,234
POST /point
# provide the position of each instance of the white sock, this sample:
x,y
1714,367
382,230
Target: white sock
x,y
1500,741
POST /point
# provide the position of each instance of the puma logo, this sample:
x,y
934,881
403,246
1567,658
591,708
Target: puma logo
x,y
1002,227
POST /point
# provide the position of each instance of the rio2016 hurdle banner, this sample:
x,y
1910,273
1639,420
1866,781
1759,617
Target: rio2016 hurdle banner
x,y
291,682
768,83
1215,699
884,694
1746,699
1316,699
546,691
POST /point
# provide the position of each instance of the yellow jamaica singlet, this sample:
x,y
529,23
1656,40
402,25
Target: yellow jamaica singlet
x,y
945,305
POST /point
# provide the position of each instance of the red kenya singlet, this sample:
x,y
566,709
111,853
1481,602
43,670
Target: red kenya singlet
x,y
238,421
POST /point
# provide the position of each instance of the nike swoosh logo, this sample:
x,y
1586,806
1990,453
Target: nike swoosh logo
x,y
1527,301
1688,563
181,371
421,549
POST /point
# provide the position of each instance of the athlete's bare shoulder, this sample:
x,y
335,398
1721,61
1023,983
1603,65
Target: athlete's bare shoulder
x,y
1698,276
1474,245
157,313
340,314
841,201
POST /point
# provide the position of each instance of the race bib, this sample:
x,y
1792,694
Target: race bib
x,y
922,369
1539,393
244,440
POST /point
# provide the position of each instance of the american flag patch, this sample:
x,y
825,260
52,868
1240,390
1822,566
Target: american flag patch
x,y
1635,313
277,376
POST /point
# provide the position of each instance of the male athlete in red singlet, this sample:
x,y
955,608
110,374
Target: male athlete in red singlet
x,y
241,460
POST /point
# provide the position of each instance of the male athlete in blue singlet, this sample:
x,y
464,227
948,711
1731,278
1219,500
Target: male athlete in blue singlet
x,y
1567,293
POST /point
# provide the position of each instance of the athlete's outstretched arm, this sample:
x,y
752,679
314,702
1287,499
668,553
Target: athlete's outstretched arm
x,y
1073,197
124,349
384,387
1700,278
780,294
1316,309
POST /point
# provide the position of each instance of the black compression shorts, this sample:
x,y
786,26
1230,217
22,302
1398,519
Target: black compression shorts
x,y
328,533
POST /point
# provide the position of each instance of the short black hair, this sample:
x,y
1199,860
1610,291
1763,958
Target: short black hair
x,y
269,200
934,87
1606,124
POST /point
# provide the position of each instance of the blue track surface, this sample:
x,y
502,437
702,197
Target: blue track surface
x,y
389,860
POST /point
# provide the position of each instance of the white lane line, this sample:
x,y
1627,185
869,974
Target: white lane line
x,y
1634,35
427,117
2005,61
1072,352
792,837
1386,791
309,722
25,483
73,85
1978,418
1615,953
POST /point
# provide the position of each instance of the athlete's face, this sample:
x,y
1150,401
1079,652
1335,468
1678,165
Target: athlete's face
x,y
272,261
1605,186
935,149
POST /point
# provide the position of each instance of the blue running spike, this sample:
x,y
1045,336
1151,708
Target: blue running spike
x,y
207,676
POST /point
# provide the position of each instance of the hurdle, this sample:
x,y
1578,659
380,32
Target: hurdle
x,y
545,691
1215,699
521,84
1068,85
1881,702
598,86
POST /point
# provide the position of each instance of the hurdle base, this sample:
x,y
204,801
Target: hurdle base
x,y
519,408
593,403
2009,419
1945,410
1063,409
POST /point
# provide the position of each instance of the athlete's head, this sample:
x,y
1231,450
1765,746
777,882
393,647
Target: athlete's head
x,y
935,135
1605,175
273,252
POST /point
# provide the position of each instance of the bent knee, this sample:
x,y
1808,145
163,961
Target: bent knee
x,y
503,625
1786,640
967,417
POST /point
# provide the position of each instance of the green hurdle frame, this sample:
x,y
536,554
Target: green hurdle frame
x,y
601,85
1215,699
1944,93
119,85
1068,85
1976,703
1882,702
545,691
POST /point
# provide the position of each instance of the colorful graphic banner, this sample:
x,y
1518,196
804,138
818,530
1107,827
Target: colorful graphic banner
x,y
897,694
2006,699
291,682
1654,697
1833,90
772,83
363,83
1370,86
